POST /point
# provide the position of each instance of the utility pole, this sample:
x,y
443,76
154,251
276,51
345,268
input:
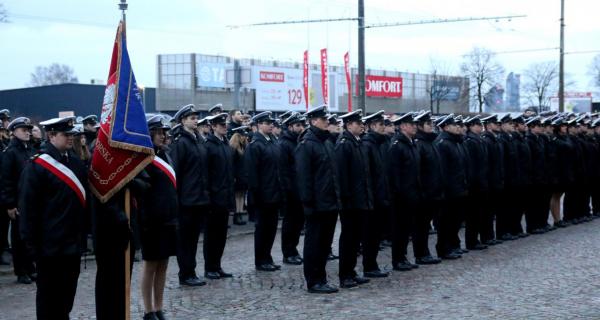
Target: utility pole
x,y
237,83
362,100
561,68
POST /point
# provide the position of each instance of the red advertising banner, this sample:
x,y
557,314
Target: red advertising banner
x,y
305,79
382,86
348,79
324,76
272,76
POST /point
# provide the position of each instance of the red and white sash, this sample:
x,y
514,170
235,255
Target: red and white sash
x,y
166,168
63,173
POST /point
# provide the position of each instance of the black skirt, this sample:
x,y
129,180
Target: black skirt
x,y
158,243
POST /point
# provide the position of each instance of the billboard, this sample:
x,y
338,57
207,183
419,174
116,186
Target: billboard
x,y
382,86
282,89
212,75
574,102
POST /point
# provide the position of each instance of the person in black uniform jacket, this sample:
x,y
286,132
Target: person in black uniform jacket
x,y
293,220
536,210
52,204
595,126
262,168
222,199
158,220
386,234
564,168
319,190
15,158
495,178
373,222
523,176
404,170
4,218
508,209
478,185
188,154
454,177
356,192
335,129
433,191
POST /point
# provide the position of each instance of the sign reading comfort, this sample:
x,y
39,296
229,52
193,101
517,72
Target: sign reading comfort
x,y
382,86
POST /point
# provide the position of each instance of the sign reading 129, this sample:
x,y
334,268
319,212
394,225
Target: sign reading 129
x,y
294,96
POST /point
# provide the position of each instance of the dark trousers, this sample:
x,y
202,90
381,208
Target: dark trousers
x,y
320,228
493,208
504,213
476,217
4,225
291,227
191,221
517,202
536,208
23,264
267,217
570,204
56,286
449,226
425,212
110,282
215,236
372,222
403,226
387,223
350,241
595,200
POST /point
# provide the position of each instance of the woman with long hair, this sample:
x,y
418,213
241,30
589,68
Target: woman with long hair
x,y
80,147
238,142
563,148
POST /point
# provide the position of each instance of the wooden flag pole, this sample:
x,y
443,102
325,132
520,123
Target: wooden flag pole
x,y
127,259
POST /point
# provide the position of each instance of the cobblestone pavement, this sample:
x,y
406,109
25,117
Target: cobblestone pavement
x,y
549,276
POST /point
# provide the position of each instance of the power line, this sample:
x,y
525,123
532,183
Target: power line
x,y
432,21
270,23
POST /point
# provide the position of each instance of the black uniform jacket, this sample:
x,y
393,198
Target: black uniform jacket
x,y
317,176
188,154
453,160
353,168
287,146
220,173
431,168
373,143
404,165
539,167
261,166
52,216
158,201
478,162
495,152
14,159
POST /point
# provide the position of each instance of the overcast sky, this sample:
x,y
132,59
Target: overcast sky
x,y
80,33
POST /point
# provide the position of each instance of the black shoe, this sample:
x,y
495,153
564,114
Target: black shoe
x,y
213,275
348,283
428,260
323,288
523,235
224,274
403,266
450,256
332,256
478,246
538,231
160,315
266,267
24,279
375,274
549,227
508,237
295,260
192,281
277,266
150,316
361,280
561,224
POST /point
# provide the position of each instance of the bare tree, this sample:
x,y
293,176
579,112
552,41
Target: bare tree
x,y
53,74
483,71
541,83
3,13
441,86
595,71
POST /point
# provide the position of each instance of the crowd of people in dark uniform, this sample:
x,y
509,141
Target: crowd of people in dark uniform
x,y
390,180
